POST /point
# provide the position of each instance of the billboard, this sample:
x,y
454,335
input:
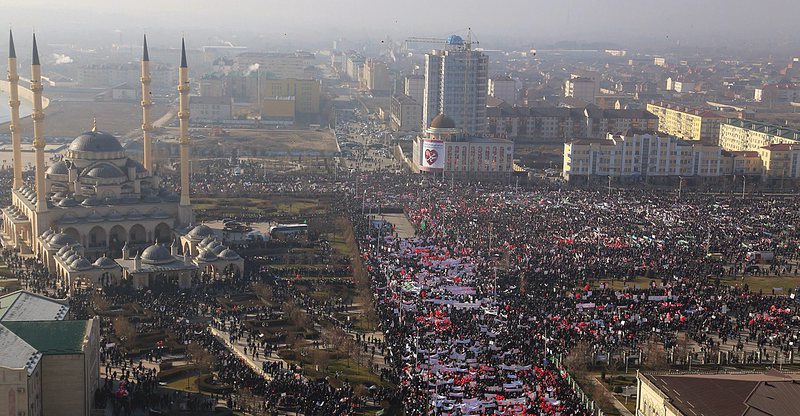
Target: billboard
x,y
432,155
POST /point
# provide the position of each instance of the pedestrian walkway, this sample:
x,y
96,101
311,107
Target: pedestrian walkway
x,y
238,348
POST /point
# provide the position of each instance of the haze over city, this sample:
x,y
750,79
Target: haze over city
x,y
712,23
400,208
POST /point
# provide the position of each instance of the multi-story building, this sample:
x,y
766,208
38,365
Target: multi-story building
x,y
445,149
455,84
210,109
780,161
687,123
48,365
783,93
108,75
746,394
503,88
638,155
581,88
306,92
742,163
740,135
526,123
354,66
415,87
406,113
277,65
376,77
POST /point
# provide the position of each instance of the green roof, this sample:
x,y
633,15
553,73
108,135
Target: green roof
x,y
51,337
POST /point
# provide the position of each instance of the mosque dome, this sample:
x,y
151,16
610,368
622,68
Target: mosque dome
x,y
207,257
200,232
105,171
105,263
81,264
443,122
58,168
228,254
157,254
95,141
61,240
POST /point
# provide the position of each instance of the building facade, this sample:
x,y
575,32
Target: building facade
x,y
414,87
638,155
455,84
210,109
445,149
582,88
376,77
503,88
406,113
559,123
687,123
747,135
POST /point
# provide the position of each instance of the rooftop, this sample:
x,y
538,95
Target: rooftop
x,y
776,130
767,394
27,306
15,352
52,337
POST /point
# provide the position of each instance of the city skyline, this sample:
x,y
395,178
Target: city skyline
x,y
666,24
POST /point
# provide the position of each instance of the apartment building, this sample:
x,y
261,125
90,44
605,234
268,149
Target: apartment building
x,y
744,135
687,123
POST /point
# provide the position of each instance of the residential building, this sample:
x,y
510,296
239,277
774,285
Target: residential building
x,y
581,88
406,113
783,93
503,88
780,161
741,135
559,123
687,123
210,109
742,163
455,84
445,149
415,87
306,92
376,77
354,66
750,394
298,65
638,155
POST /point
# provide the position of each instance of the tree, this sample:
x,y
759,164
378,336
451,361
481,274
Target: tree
x,y
654,355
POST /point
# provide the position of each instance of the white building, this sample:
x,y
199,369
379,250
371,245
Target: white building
x,y
209,108
639,155
456,84
445,149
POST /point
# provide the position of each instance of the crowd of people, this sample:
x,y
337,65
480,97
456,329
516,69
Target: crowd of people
x,y
496,285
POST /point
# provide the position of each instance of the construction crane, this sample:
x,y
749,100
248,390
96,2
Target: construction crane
x,y
457,41
443,41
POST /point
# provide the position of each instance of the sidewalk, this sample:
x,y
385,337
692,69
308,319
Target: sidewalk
x,y
238,349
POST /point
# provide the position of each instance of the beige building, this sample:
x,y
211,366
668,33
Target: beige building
x,y
415,87
687,123
277,110
770,394
48,365
746,135
406,113
297,65
306,92
638,155
445,149
376,77
559,123
780,161
210,109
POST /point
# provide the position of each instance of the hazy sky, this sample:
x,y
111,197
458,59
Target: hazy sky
x,y
693,22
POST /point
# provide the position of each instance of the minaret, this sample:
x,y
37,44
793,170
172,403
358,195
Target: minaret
x,y
146,104
185,208
38,134
13,102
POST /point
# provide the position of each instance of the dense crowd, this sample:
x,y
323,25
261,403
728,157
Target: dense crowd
x,y
498,284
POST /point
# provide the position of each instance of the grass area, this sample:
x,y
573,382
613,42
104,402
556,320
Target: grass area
x,y
186,384
352,372
765,284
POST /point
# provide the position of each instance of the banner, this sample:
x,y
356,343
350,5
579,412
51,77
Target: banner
x,y
433,155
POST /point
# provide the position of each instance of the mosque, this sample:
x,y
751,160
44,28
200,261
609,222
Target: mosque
x,y
97,202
